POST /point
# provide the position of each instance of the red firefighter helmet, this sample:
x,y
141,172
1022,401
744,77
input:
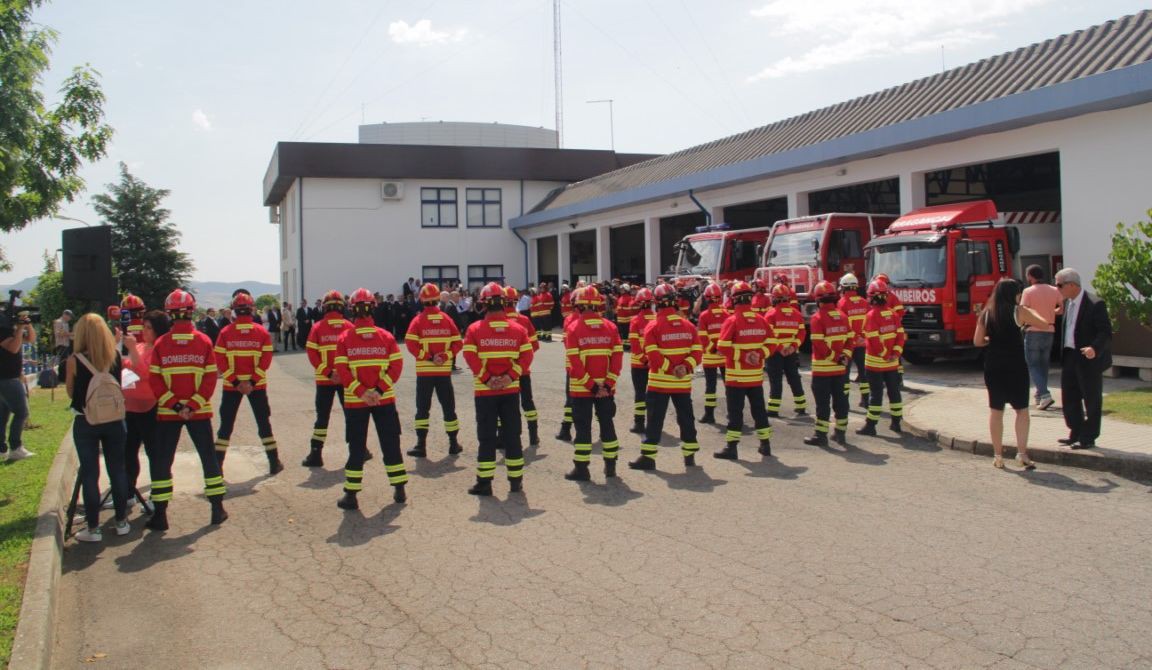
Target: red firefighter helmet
x,y
242,301
587,297
362,296
113,312
333,301
883,276
429,293
876,287
643,297
781,293
823,291
782,279
132,302
740,287
511,294
713,292
492,292
664,293
760,285
180,301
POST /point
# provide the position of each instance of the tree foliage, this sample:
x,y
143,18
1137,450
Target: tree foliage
x,y
1125,281
145,244
266,300
42,148
49,297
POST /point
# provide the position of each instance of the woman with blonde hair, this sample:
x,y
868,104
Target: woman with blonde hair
x,y
94,351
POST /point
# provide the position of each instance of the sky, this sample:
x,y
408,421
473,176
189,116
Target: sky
x,y
199,93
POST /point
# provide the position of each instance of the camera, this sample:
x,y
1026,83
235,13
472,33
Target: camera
x,y
13,315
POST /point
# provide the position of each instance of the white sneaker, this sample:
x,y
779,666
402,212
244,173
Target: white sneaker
x,y
19,454
123,528
1046,402
90,535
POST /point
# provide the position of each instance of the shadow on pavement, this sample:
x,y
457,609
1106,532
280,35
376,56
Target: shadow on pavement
x,y
770,467
156,547
505,512
854,454
241,489
356,529
320,479
436,469
614,492
533,454
1056,480
693,479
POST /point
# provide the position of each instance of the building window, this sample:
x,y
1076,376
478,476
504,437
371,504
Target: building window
x,y
438,208
479,275
440,275
483,207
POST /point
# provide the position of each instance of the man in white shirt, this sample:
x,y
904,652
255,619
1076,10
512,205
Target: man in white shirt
x,y
1086,347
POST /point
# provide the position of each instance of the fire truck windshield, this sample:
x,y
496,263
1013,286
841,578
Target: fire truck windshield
x,y
910,263
795,249
699,257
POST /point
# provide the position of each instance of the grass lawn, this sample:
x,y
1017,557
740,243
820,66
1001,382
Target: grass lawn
x,y
1132,406
21,485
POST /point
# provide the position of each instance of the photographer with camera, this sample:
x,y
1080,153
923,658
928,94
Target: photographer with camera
x,y
14,332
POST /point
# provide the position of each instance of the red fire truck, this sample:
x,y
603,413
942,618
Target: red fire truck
x,y
943,263
810,249
717,253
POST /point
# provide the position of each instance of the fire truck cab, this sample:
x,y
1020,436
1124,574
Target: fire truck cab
x,y
943,262
717,253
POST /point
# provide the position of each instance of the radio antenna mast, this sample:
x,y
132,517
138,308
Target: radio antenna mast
x,y
559,83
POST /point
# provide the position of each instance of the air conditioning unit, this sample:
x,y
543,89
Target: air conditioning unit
x,y
274,214
391,190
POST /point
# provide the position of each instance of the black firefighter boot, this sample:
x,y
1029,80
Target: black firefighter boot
x,y
399,495
609,467
274,464
315,457
219,516
709,415
159,520
534,433
565,434
516,484
728,453
895,426
765,448
840,436
421,448
690,461
579,473
482,487
869,428
643,463
817,439
454,445
638,425
348,501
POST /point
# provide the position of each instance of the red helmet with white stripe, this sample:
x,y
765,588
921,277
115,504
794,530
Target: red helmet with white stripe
x,y
429,293
713,292
180,304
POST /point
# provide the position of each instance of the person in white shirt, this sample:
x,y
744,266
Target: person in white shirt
x,y
1086,346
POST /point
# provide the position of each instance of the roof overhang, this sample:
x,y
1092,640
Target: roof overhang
x,y
1116,89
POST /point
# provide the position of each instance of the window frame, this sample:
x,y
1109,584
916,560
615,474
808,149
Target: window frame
x,y
439,202
486,277
425,277
483,202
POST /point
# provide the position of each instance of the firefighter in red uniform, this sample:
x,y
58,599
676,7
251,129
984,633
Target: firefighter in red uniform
x,y
673,349
542,312
639,362
884,335
788,330
527,402
368,363
855,307
321,348
897,307
566,299
683,298
182,374
497,351
133,307
745,342
625,311
595,356
243,355
761,302
831,352
709,324
433,340
565,434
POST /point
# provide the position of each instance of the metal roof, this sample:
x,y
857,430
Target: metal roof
x,y
1030,85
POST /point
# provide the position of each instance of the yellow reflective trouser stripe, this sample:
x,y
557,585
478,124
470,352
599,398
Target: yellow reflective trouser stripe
x,y
396,474
214,486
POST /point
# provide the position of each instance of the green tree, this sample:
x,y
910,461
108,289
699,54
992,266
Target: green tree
x,y
1124,282
145,244
42,148
49,297
267,300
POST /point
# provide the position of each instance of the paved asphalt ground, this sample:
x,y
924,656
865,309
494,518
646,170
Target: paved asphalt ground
x,y
890,553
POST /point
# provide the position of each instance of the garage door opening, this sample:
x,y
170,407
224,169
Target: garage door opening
x,y
758,214
672,230
626,250
873,197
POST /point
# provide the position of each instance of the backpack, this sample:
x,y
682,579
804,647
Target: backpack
x,y
104,402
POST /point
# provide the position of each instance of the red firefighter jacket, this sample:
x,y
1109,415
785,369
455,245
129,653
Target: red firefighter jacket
x,y
566,305
525,323
831,338
884,337
625,310
855,309
495,347
744,336
761,303
787,325
542,304
244,353
636,329
670,341
321,345
433,332
595,354
708,325
183,370
367,358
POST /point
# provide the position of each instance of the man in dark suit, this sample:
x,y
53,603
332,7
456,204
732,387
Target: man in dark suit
x,y
303,323
1086,346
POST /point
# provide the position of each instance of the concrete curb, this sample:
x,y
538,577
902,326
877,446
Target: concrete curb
x,y
32,646
1129,466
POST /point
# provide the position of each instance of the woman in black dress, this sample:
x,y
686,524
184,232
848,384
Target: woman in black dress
x,y
1000,330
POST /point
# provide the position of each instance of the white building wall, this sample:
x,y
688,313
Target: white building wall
x,y
1105,173
460,134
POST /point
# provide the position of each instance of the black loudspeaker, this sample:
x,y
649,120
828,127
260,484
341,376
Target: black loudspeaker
x,y
88,264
